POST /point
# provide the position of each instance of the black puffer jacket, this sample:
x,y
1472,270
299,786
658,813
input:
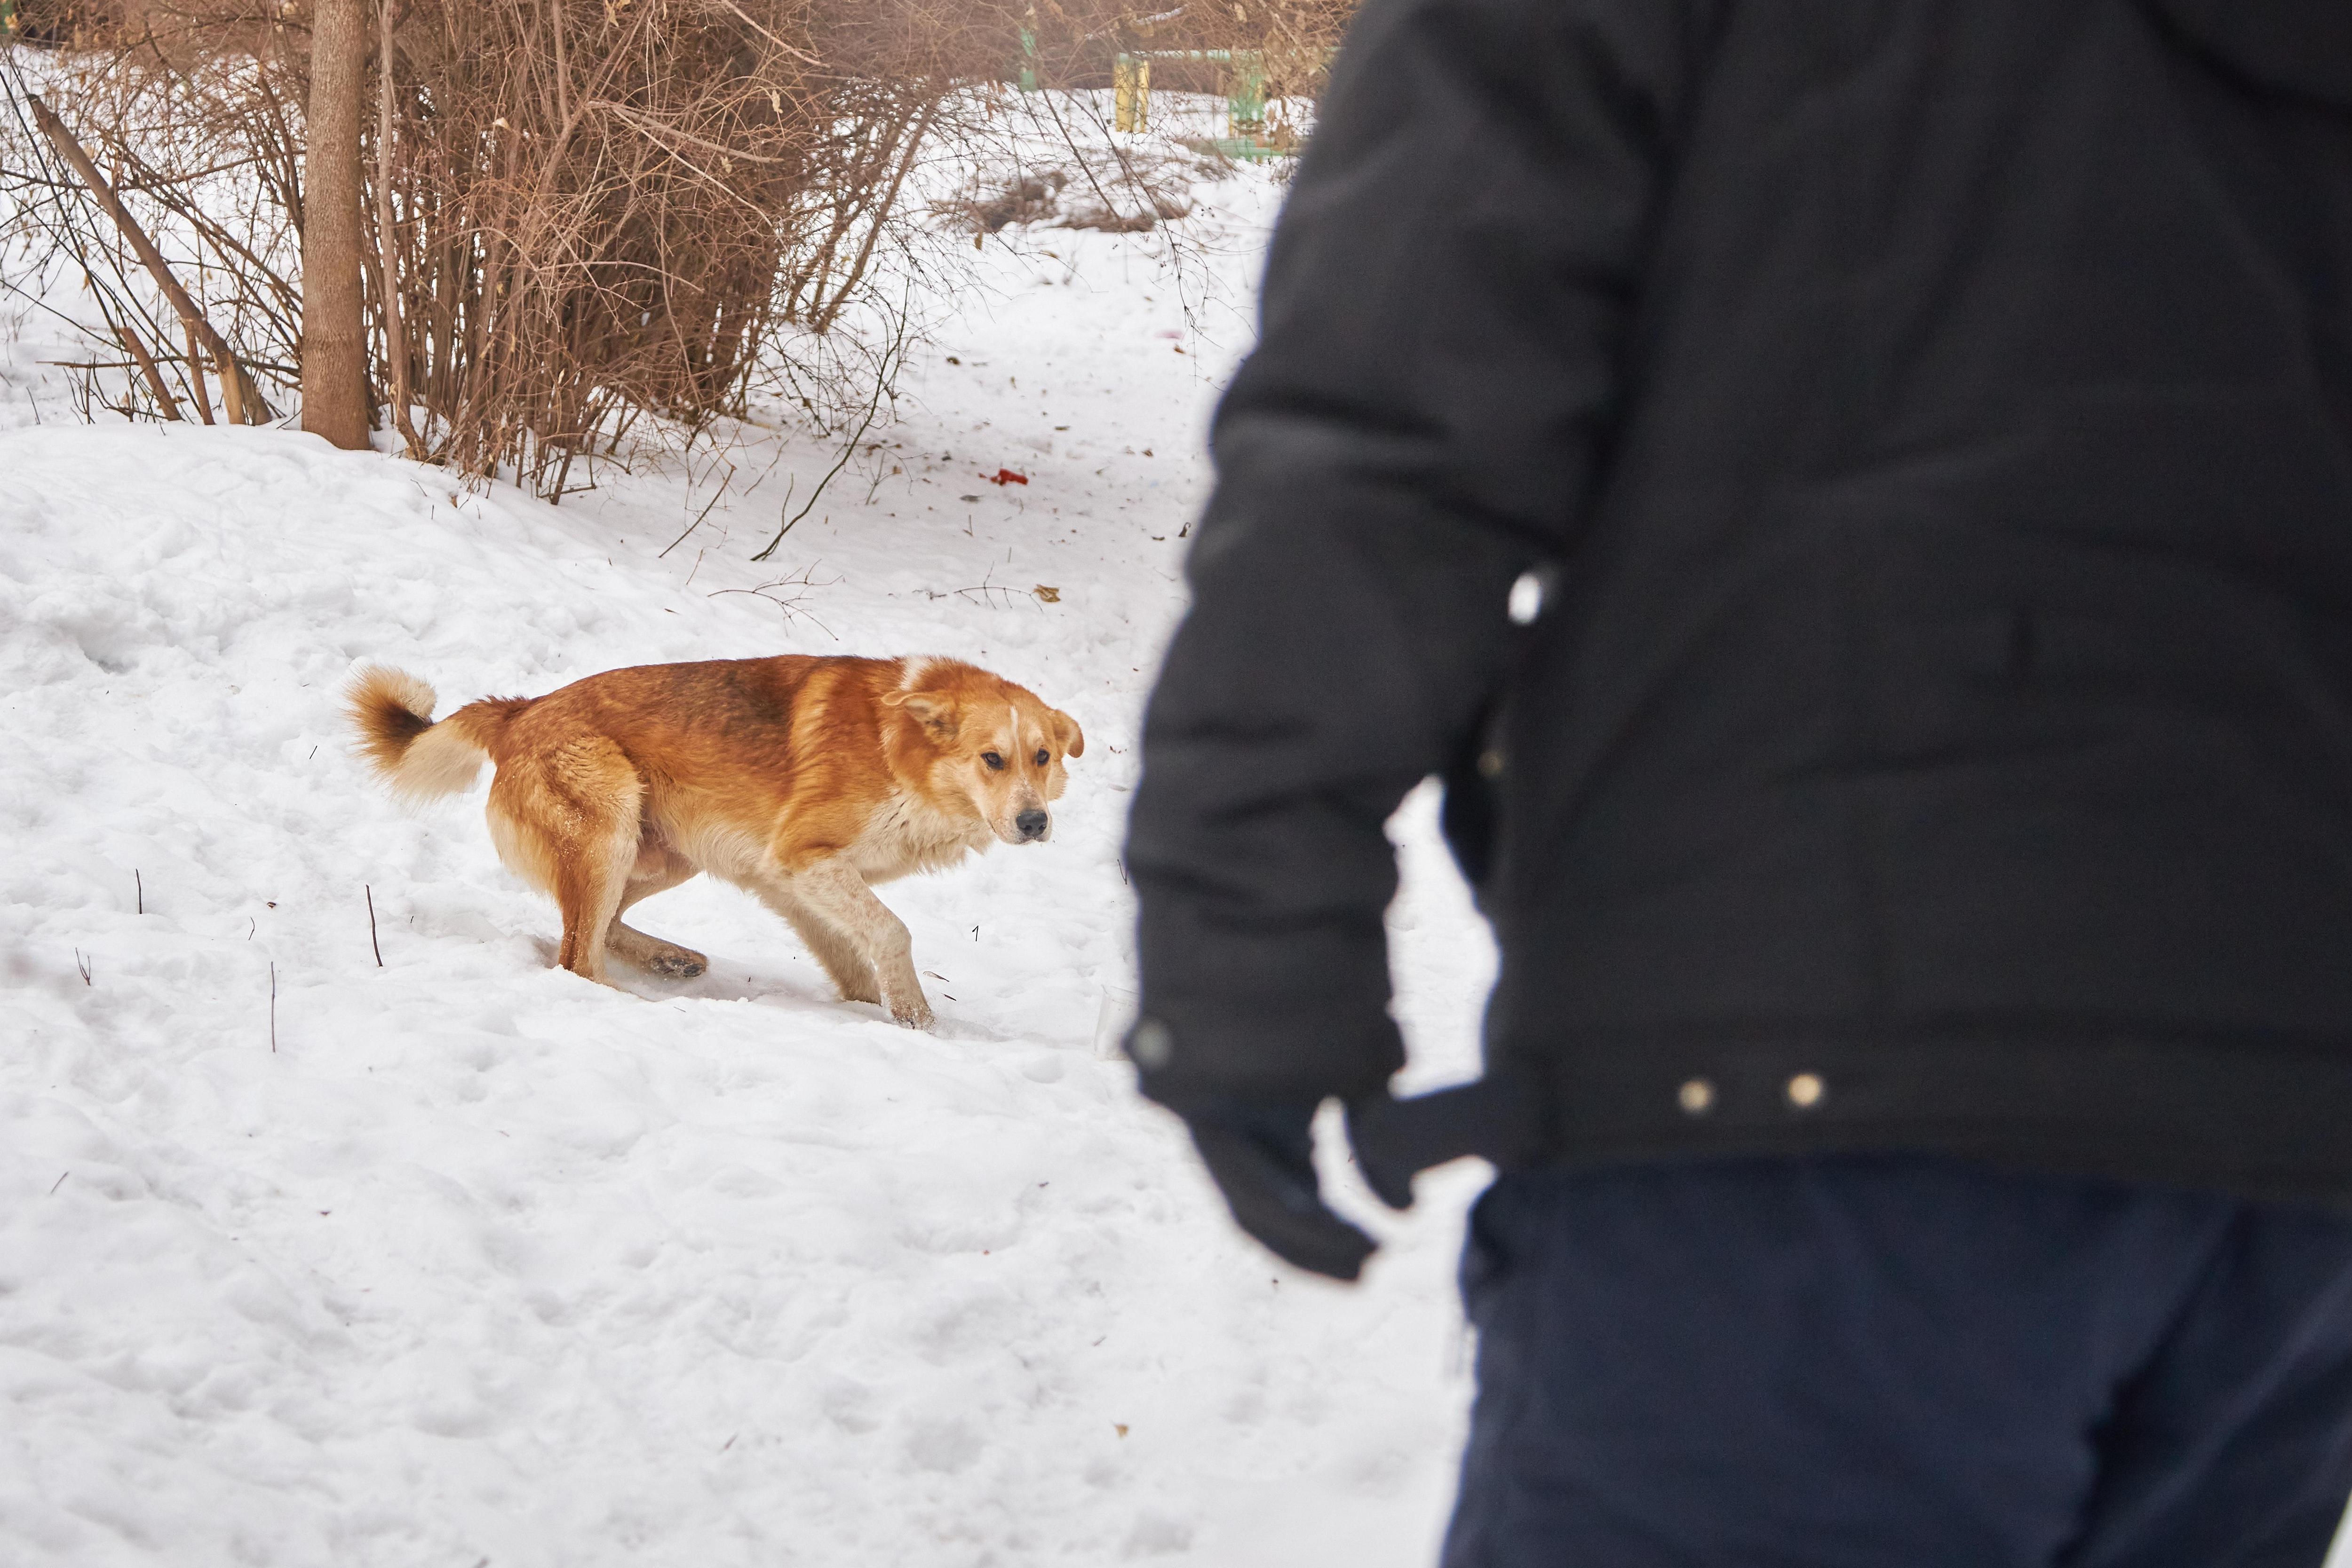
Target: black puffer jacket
x,y
1934,420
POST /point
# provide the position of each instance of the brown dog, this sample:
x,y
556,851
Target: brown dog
x,y
804,780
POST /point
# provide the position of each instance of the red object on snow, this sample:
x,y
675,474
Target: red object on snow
x,y
1006,476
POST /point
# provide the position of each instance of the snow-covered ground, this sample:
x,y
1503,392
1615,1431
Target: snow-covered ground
x,y
454,1258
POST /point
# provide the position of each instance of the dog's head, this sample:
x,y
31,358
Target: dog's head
x,y
993,743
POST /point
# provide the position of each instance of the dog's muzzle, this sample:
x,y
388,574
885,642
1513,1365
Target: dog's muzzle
x,y
1033,824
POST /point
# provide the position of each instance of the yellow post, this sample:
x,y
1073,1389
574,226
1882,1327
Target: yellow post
x,y
1131,87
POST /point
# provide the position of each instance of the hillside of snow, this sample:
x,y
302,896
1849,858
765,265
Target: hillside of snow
x,y
338,1228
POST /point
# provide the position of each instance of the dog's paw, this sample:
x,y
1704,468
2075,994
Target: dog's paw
x,y
677,964
916,1014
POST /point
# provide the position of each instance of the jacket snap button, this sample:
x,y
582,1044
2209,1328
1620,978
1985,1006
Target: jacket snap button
x,y
1805,1091
1696,1097
1150,1045
1490,764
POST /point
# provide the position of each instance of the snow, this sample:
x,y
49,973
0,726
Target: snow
x,y
457,1259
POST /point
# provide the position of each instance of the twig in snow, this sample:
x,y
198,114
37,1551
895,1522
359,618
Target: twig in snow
x,y
895,348
81,962
58,1183
273,1010
372,941
801,583
716,498
984,591
139,886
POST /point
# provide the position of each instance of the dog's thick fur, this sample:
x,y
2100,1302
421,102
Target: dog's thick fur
x,y
805,780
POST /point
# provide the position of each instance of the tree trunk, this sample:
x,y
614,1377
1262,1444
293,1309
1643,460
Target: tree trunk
x,y
334,344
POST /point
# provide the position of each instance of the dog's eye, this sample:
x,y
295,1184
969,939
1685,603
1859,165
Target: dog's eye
x,y
1043,759
995,763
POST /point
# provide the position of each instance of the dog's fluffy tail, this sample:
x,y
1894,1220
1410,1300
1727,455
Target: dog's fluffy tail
x,y
392,712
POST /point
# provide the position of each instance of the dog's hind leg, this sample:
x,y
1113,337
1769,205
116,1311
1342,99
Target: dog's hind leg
x,y
567,820
656,869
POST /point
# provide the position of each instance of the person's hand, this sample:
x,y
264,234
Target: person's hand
x,y
1262,1156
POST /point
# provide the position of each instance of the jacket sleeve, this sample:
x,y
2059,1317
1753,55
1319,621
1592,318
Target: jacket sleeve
x,y
1446,313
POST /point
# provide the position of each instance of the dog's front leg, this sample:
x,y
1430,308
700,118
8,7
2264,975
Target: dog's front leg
x,y
834,891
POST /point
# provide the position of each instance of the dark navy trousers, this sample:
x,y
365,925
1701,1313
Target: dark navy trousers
x,y
1901,1362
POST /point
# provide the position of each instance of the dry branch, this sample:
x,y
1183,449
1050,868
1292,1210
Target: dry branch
x,y
147,368
235,379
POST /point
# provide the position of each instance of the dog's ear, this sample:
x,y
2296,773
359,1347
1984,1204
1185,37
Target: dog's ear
x,y
1074,739
935,712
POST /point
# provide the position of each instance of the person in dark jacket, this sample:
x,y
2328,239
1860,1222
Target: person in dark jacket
x,y
1855,498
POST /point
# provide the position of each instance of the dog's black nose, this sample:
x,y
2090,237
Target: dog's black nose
x,y
1032,823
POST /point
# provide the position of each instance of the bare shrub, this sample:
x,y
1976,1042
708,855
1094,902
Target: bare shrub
x,y
582,211
216,203
602,208
584,218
